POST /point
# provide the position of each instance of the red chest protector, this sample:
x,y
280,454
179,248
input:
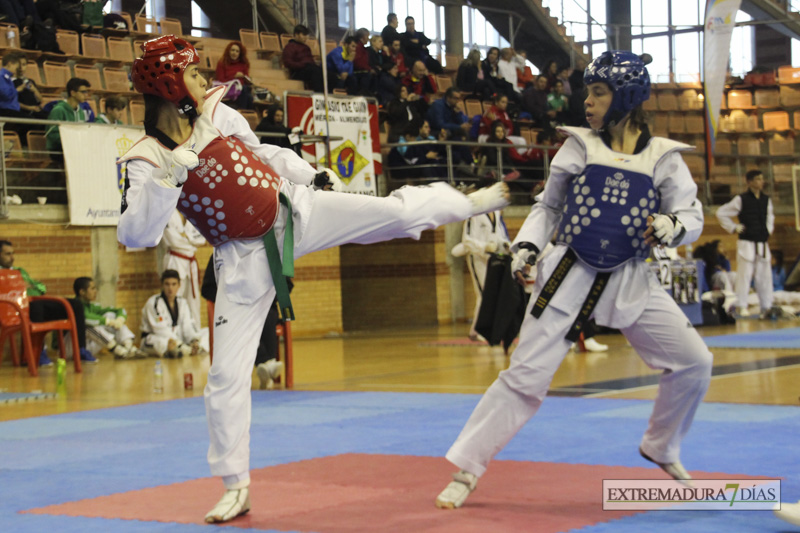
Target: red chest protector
x,y
231,194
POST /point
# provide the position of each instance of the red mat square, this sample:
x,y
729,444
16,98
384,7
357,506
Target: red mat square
x,y
383,493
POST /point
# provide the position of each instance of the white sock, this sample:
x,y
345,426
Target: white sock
x,y
236,481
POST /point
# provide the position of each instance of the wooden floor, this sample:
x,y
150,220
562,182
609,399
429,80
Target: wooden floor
x,y
405,361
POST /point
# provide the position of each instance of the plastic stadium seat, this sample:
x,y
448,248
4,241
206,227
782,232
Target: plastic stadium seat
x,y
119,48
171,26
68,42
776,120
249,39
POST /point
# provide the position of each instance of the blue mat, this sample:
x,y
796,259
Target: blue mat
x,y
56,459
776,338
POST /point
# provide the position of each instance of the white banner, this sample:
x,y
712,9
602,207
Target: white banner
x,y
94,184
351,158
719,23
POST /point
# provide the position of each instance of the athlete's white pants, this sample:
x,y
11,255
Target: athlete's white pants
x,y
99,337
664,340
158,343
753,259
323,220
477,271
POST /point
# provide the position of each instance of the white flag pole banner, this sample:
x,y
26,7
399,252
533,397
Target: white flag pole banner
x,y
351,158
94,183
719,23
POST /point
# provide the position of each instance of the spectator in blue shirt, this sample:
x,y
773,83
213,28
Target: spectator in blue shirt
x,y
9,100
443,114
340,65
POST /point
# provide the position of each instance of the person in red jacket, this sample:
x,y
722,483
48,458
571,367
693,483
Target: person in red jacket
x,y
497,111
297,57
419,82
233,70
395,49
361,68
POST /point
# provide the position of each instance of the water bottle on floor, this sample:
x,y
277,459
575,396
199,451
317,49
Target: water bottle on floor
x,y
158,378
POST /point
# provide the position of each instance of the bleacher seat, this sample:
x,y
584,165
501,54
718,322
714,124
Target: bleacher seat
x,y
145,24
119,49
695,123
270,42
69,42
677,123
667,101
443,83
285,38
92,75
473,107
117,80
128,20
171,26
251,116
789,96
740,99
748,146
329,46
767,98
94,47
249,39
776,120
56,74
37,143
137,112
788,74
723,147
780,145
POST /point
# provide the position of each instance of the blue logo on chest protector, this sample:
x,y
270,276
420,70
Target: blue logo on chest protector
x,y
605,216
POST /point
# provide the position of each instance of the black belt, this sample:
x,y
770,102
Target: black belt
x,y
554,282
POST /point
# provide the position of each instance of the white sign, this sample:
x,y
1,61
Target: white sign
x,y
719,22
94,182
351,158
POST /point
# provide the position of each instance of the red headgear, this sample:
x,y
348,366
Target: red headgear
x,y
160,70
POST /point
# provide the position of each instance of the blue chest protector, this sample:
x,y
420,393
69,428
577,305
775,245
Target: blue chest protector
x,y
605,216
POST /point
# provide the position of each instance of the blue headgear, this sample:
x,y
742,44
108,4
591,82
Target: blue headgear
x,y
627,76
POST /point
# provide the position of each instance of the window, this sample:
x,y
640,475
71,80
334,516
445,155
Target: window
x,y
742,46
686,56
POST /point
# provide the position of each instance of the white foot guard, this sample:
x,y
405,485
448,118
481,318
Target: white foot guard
x,y
790,512
675,469
455,494
594,346
490,198
268,372
233,503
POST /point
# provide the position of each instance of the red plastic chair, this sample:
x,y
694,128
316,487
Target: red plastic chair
x,y
15,317
283,330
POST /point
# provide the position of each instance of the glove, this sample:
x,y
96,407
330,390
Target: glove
x,y
739,228
666,229
183,160
327,180
459,250
523,259
490,247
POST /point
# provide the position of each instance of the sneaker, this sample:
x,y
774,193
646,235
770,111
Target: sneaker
x,y
490,198
592,345
44,360
455,493
233,503
789,512
675,469
268,372
87,357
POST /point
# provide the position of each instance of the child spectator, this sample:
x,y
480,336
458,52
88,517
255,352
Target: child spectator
x,y
401,112
511,158
556,101
497,111
778,272
105,326
233,70
387,83
115,110
297,57
167,325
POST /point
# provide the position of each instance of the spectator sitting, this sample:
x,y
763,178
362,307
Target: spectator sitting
x,y
778,272
497,111
556,101
47,310
30,99
564,75
551,73
524,73
297,57
402,113
396,54
378,56
512,159
534,101
233,70
403,159
21,13
69,110
469,77
422,84
492,75
362,71
105,326
415,47
507,67
168,329
10,93
273,123
443,114
387,83
389,34
340,65
115,110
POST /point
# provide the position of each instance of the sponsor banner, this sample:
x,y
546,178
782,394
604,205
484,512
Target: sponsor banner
x,y
94,181
700,495
356,158
719,22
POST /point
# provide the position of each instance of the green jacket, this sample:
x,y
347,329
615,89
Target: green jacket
x,y
64,112
95,313
35,288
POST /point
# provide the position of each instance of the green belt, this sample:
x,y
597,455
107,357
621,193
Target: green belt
x,y
281,271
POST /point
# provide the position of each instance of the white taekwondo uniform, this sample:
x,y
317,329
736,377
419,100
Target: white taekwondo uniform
x,y
182,240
